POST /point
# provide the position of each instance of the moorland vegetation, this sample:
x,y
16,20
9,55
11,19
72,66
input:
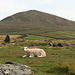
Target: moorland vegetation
x,y
37,29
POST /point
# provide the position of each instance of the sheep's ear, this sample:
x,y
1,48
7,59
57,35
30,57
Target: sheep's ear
x,y
25,47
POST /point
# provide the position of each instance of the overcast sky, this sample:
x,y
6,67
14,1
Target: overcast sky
x,y
62,8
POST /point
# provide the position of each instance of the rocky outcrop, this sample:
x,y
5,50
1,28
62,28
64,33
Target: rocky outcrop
x,y
11,68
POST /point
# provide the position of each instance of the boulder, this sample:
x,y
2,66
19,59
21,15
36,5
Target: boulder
x,y
67,44
17,41
59,45
7,39
50,44
73,44
11,68
3,43
54,45
31,45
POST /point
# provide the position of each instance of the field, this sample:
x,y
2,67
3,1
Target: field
x,y
37,29
59,60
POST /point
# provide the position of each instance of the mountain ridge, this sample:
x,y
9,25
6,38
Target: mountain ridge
x,y
38,23
37,18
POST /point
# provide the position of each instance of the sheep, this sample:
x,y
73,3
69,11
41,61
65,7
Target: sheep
x,y
34,52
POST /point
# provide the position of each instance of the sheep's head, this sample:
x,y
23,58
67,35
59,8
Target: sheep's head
x,y
25,48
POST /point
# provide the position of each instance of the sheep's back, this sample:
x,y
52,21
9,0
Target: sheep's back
x,y
36,51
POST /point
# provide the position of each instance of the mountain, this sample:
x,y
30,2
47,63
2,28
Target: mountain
x,y
38,23
37,18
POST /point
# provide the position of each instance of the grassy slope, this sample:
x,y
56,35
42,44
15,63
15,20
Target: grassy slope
x,y
12,53
41,31
37,18
38,23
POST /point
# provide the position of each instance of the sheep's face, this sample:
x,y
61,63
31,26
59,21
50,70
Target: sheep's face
x,y
25,48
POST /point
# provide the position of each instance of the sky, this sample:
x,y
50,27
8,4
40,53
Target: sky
x,y
62,8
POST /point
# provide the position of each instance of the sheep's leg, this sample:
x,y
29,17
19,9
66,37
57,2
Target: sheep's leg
x,y
30,56
40,56
24,56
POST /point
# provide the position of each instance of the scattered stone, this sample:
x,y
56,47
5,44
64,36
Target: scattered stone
x,y
73,49
37,45
67,44
54,45
11,68
13,38
7,39
13,43
50,44
60,45
73,44
31,45
3,43
17,41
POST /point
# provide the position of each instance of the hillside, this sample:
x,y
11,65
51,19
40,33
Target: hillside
x,y
38,23
37,18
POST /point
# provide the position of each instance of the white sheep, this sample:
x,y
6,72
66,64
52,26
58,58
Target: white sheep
x,y
34,52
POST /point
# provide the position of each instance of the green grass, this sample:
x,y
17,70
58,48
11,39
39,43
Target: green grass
x,y
37,32
41,66
68,34
42,29
37,23
35,37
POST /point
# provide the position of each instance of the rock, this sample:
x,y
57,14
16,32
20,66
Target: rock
x,y
6,72
13,43
54,45
13,38
17,41
3,43
11,68
67,44
37,45
7,39
50,44
73,44
60,45
73,49
31,45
